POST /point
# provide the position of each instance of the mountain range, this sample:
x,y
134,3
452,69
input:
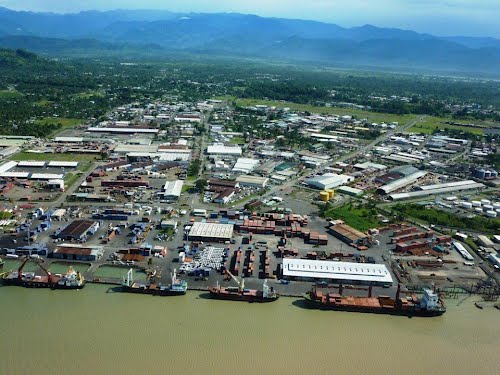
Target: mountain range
x,y
136,33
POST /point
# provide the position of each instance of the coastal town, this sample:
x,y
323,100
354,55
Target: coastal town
x,y
254,202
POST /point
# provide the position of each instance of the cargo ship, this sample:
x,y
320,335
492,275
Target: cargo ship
x,y
267,294
176,288
70,280
410,305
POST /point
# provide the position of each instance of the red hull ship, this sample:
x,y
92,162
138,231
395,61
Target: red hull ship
x,y
427,306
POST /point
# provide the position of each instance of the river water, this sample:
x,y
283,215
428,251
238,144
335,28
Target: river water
x,y
93,331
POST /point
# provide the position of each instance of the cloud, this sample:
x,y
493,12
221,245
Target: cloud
x,y
477,17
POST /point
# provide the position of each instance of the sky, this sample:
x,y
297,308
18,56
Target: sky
x,y
439,17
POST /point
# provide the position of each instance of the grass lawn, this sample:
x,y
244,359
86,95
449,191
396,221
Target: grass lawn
x,y
64,122
359,114
237,141
70,179
359,218
429,124
8,94
90,94
82,158
43,103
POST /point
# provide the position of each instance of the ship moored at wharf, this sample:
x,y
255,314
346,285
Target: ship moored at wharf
x,y
267,294
176,288
428,305
70,280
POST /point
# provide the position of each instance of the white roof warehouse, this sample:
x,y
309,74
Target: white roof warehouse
x,y
172,189
211,232
340,272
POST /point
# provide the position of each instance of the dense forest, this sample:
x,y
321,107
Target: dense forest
x,y
34,88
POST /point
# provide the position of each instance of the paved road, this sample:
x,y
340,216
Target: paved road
x,y
380,139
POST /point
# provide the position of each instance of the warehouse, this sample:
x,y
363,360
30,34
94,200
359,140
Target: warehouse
x,y
245,165
123,130
63,164
78,252
78,230
348,234
339,272
329,181
46,176
31,164
210,232
353,192
172,190
401,183
426,193
224,150
252,181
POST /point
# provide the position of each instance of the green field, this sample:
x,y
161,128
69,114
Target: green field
x,y
447,219
70,179
43,103
359,114
90,94
7,94
237,141
429,124
64,122
359,218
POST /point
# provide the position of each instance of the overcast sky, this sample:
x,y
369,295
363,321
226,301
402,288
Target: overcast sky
x,y
442,17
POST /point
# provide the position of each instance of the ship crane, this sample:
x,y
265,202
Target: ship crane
x,y
21,267
49,274
241,283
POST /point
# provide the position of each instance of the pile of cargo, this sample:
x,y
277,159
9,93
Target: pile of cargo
x,y
249,264
265,265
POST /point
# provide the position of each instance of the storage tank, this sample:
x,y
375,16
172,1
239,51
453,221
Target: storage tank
x,y
491,214
331,193
324,196
478,209
487,207
496,205
476,204
467,205
485,201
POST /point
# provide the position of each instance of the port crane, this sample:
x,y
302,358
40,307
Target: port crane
x,y
49,274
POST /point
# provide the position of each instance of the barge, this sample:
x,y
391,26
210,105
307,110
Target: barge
x,y
70,280
176,288
267,294
428,305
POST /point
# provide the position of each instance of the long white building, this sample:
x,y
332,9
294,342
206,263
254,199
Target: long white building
x,y
339,272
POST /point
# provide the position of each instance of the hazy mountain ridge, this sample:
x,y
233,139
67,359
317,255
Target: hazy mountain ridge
x,y
246,35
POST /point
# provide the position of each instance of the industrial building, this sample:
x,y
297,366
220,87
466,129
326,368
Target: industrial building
x,y
429,190
78,230
172,190
78,252
211,232
347,190
252,181
245,165
339,272
224,150
401,183
130,130
348,234
329,181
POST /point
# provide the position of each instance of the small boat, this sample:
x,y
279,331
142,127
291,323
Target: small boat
x,y
478,305
497,306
